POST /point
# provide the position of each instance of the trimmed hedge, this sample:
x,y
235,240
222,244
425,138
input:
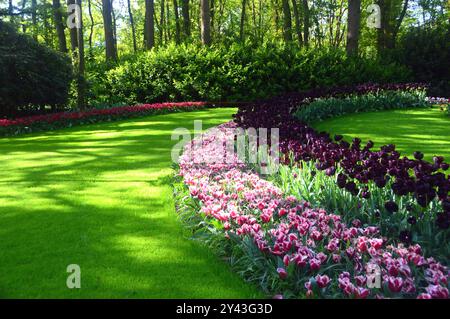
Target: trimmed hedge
x,y
32,76
239,73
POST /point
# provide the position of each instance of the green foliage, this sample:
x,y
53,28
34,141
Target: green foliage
x,y
238,73
426,51
314,186
321,109
32,76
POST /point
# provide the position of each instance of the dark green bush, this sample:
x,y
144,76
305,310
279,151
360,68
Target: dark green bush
x,y
321,109
32,76
426,51
239,73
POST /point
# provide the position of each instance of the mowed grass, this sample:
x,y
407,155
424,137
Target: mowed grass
x,y
99,196
425,130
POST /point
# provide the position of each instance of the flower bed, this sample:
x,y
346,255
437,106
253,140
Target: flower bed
x,y
69,119
321,109
359,165
284,245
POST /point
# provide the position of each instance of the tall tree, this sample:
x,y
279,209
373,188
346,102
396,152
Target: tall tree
x,y
81,100
241,29
205,22
133,30
59,25
392,15
91,31
111,53
186,17
298,25
34,18
353,26
177,22
287,21
161,22
149,28
306,22
114,23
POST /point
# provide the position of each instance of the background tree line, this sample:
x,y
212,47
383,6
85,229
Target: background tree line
x,y
116,30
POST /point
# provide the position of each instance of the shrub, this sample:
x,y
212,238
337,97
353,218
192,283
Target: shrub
x,y
426,51
239,73
324,108
32,76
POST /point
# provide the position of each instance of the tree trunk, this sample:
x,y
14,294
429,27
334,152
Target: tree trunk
x,y
133,30
91,31
111,54
22,21
399,22
161,22
81,102
241,29
34,18
306,22
59,25
205,22
149,28
177,22
287,21
298,27
186,17
114,21
353,26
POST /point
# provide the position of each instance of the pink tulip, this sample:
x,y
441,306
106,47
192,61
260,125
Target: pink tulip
x,y
322,281
395,284
282,273
314,264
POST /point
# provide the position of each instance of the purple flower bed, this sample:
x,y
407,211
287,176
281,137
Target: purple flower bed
x,y
361,165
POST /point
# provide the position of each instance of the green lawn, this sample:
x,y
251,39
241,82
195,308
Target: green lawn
x,y
425,130
99,196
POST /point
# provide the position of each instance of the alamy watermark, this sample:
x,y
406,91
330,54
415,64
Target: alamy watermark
x,y
74,279
73,16
230,146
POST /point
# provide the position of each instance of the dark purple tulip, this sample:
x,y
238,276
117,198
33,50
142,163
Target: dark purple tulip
x,y
443,220
341,180
418,155
412,220
330,171
351,187
438,159
391,206
405,237
369,144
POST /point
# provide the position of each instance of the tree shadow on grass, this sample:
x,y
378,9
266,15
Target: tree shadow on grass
x,y
99,196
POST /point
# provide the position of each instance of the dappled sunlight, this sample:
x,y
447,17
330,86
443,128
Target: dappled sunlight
x,y
100,196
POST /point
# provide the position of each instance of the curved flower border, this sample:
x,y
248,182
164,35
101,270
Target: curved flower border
x,y
307,245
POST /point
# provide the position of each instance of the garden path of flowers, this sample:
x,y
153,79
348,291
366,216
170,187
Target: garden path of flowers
x,y
317,248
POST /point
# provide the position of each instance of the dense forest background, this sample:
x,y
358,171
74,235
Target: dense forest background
x,y
132,51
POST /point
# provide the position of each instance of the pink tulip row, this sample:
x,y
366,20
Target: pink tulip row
x,y
307,242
